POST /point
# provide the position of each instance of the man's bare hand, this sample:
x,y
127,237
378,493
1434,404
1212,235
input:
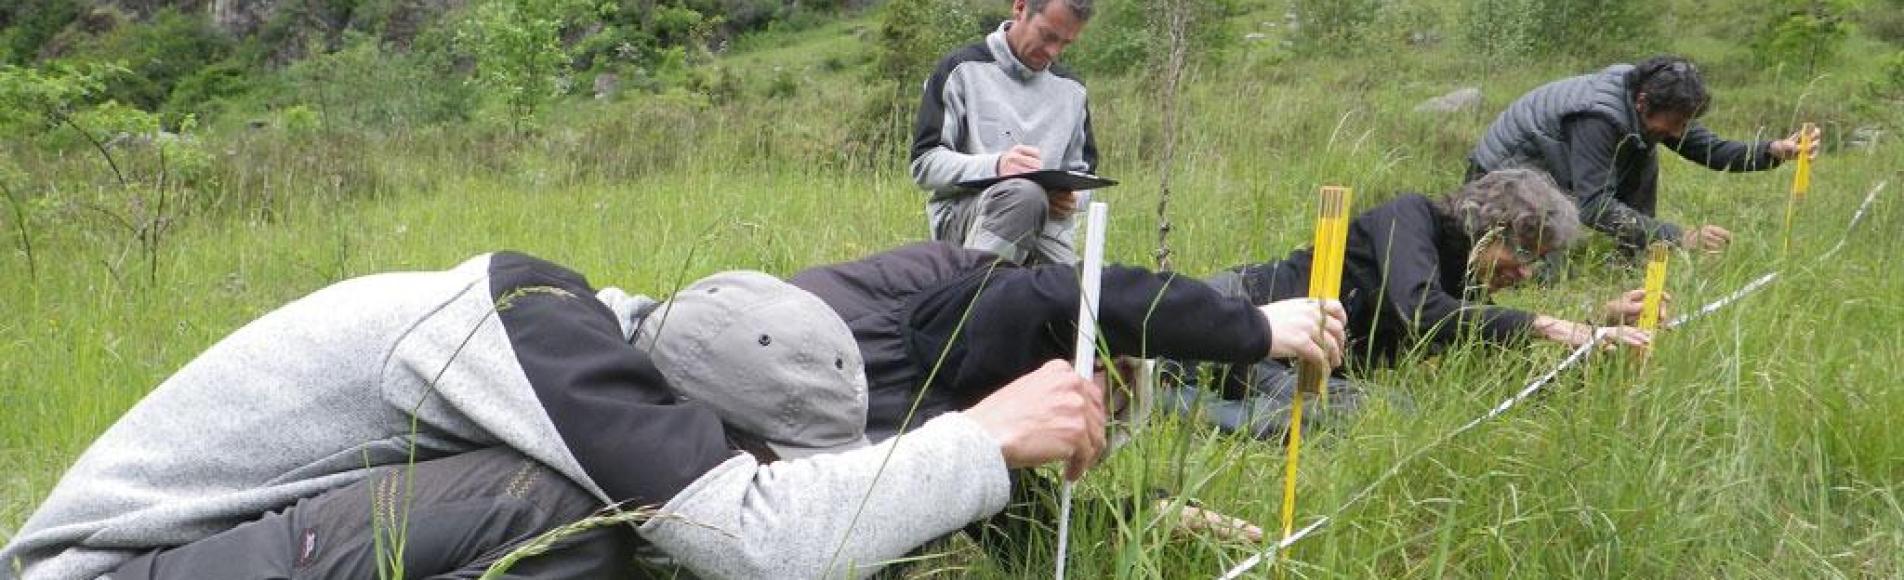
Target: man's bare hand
x,y
1626,337
1062,203
1049,415
1303,329
1019,159
1787,148
1575,334
1708,238
1627,308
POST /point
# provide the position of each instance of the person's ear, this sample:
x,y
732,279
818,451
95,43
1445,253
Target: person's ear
x,y
1639,104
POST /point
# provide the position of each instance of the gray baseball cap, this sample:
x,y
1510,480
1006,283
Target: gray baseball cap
x,y
772,360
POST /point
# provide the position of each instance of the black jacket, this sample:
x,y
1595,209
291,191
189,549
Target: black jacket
x,y
981,322
1610,172
1404,281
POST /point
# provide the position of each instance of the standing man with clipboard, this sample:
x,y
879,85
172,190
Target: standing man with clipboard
x,y
1003,138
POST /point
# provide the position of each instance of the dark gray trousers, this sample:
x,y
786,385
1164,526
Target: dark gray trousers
x,y
464,512
1255,399
1011,219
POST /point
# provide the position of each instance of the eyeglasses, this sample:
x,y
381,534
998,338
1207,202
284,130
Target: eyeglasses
x,y
1525,256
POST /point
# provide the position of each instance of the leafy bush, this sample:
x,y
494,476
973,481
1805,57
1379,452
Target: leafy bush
x,y
1889,82
1802,33
1127,35
1884,20
1527,28
33,101
26,25
366,85
518,49
1333,25
912,36
204,93
161,53
300,120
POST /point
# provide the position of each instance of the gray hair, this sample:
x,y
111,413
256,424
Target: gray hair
x,y
1082,8
1524,206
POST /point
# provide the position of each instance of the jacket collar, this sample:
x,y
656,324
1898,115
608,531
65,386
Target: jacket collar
x,y
1002,54
1622,75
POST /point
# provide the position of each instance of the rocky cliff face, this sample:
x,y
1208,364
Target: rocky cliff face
x,y
243,17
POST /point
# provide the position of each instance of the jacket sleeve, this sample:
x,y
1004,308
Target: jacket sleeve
x,y
937,163
607,401
844,514
1700,145
1411,290
1592,144
1081,155
1026,316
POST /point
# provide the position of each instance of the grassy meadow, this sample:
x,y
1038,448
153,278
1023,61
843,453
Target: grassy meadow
x,y
1763,441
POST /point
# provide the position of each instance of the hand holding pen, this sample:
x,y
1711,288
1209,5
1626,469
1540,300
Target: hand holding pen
x,y
1020,158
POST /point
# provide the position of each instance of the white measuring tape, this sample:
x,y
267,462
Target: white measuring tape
x,y
1573,358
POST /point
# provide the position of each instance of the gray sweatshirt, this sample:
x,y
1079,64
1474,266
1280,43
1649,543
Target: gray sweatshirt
x,y
980,101
504,349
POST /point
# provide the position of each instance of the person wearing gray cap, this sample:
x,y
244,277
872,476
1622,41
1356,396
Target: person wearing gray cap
x,y
428,423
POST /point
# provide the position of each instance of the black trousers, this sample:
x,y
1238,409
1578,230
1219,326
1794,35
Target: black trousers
x,y
463,513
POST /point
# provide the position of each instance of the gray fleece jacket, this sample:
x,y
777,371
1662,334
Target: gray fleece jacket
x,y
504,349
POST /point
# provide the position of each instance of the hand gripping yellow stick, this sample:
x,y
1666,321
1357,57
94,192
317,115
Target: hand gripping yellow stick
x,y
1325,282
1801,179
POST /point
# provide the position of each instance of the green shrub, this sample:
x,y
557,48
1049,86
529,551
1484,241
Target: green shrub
x,y
517,45
911,38
1883,20
1128,35
1889,82
204,93
1333,26
26,25
299,120
718,83
784,84
365,85
1581,28
160,53
1802,34
33,101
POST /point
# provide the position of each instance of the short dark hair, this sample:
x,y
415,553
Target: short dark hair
x,y
1671,84
1082,8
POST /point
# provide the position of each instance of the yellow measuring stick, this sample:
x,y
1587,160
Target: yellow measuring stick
x,y
1801,179
1656,256
1325,282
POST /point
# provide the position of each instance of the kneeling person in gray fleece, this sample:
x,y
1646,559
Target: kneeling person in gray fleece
x,y
471,410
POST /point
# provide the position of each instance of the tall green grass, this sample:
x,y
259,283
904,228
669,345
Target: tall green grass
x,y
1759,442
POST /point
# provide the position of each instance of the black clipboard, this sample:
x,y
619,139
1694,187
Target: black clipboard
x,y
1050,179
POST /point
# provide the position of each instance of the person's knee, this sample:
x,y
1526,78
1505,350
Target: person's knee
x,y
1019,204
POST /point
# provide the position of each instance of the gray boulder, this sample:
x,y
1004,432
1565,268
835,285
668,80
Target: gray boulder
x,y
1864,137
606,85
1465,99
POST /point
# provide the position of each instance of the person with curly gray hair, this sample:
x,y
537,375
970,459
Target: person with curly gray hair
x,y
1417,276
